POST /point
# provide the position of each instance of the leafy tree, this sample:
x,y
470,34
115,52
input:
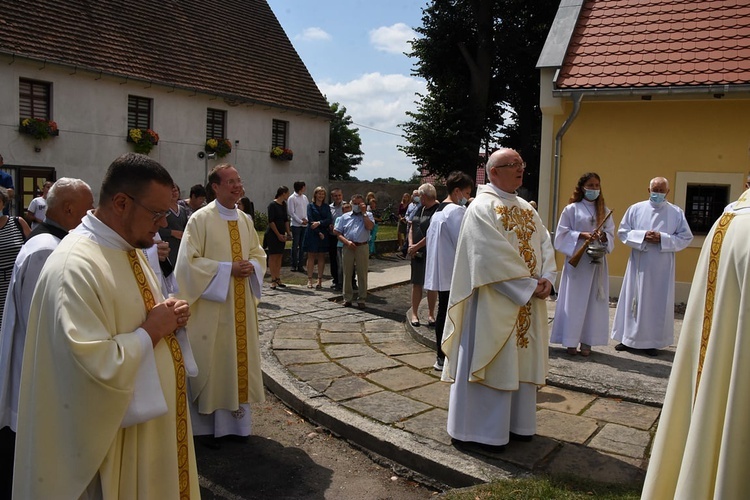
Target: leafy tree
x,y
344,149
478,58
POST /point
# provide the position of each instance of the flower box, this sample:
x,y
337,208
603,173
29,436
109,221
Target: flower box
x,y
283,154
39,128
144,139
221,147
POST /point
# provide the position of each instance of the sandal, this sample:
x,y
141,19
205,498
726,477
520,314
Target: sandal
x,y
309,283
273,284
319,286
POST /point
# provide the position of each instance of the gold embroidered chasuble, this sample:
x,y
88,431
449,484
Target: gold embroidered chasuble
x,y
701,448
502,239
223,334
80,364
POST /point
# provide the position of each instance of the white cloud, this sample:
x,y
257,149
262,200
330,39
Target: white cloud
x,y
381,102
393,39
313,34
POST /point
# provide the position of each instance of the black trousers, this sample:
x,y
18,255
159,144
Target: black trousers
x,y
332,258
442,313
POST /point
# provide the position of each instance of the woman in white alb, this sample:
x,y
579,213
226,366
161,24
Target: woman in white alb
x,y
582,310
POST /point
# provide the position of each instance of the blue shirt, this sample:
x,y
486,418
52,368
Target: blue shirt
x,y
352,227
6,181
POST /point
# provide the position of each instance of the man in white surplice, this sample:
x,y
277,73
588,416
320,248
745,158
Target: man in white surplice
x,y
655,230
496,333
66,203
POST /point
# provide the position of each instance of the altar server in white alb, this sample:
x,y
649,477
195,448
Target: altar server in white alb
x,y
496,336
582,311
67,202
701,445
442,238
655,230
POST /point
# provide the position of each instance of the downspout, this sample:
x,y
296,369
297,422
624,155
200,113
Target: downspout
x,y
577,97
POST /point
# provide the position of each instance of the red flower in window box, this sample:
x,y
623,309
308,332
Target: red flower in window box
x,y
144,139
39,128
284,154
221,147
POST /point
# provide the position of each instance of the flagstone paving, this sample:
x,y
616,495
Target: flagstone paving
x,y
355,363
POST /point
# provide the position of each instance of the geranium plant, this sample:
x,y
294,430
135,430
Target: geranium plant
x,y
221,147
279,153
144,139
39,128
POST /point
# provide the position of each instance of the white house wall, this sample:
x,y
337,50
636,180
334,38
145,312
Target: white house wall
x,y
91,113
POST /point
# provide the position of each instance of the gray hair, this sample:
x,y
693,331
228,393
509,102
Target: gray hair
x,y
62,190
428,190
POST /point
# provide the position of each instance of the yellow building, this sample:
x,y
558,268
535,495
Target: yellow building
x,y
635,90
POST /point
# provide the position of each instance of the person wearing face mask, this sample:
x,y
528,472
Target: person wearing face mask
x,y
442,238
655,230
582,310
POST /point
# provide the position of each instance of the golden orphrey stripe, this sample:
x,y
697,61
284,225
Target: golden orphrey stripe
x,y
183,468
240,316
708,308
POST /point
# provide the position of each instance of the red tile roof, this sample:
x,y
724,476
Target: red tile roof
x,y
656,43
231,48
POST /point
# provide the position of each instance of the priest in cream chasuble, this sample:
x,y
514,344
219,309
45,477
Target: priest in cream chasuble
x,y
219,270
496,336
102,410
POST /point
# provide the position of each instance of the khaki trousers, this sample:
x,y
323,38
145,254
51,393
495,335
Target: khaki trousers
x,y
360,256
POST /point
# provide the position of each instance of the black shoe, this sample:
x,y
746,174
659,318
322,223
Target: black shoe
x,y
355,287
416,323
520,437
651,352
471,446
621,347
431,324
209,442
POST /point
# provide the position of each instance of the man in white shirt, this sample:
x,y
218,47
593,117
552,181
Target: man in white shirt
x,y
297,207
38,206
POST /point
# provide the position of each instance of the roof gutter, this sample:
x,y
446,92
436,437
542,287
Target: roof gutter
x,y
577,98
648,91
173,86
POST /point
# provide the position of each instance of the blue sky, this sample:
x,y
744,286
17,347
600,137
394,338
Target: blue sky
x,y
354,52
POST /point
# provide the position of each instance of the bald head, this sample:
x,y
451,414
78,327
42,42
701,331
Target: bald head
x,y
68,201
658,185
506,168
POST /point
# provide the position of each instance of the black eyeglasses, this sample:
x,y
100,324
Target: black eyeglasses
x,y
157,216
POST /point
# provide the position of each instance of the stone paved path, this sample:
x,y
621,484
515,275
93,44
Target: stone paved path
x,y
366,378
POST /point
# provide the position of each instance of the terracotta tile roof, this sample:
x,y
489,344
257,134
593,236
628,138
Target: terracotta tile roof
x,y
656,43
231,48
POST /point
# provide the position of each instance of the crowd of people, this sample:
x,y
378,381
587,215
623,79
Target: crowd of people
x,y
147,304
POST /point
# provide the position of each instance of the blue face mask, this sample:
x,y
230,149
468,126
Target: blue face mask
x,y
416,200
591,194
657,198
463,201
356,209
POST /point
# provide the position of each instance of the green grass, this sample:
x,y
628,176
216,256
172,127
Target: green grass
x,y
546,488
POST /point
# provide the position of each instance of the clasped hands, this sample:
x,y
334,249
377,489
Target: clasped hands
x,y
543,288
242,268
165,318
653,236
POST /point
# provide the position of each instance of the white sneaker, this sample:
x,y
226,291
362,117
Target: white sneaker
x,y
438,365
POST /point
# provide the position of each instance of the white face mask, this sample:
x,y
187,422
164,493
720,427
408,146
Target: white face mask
x,y
416,199
463,201
657,198
591,194
356,209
